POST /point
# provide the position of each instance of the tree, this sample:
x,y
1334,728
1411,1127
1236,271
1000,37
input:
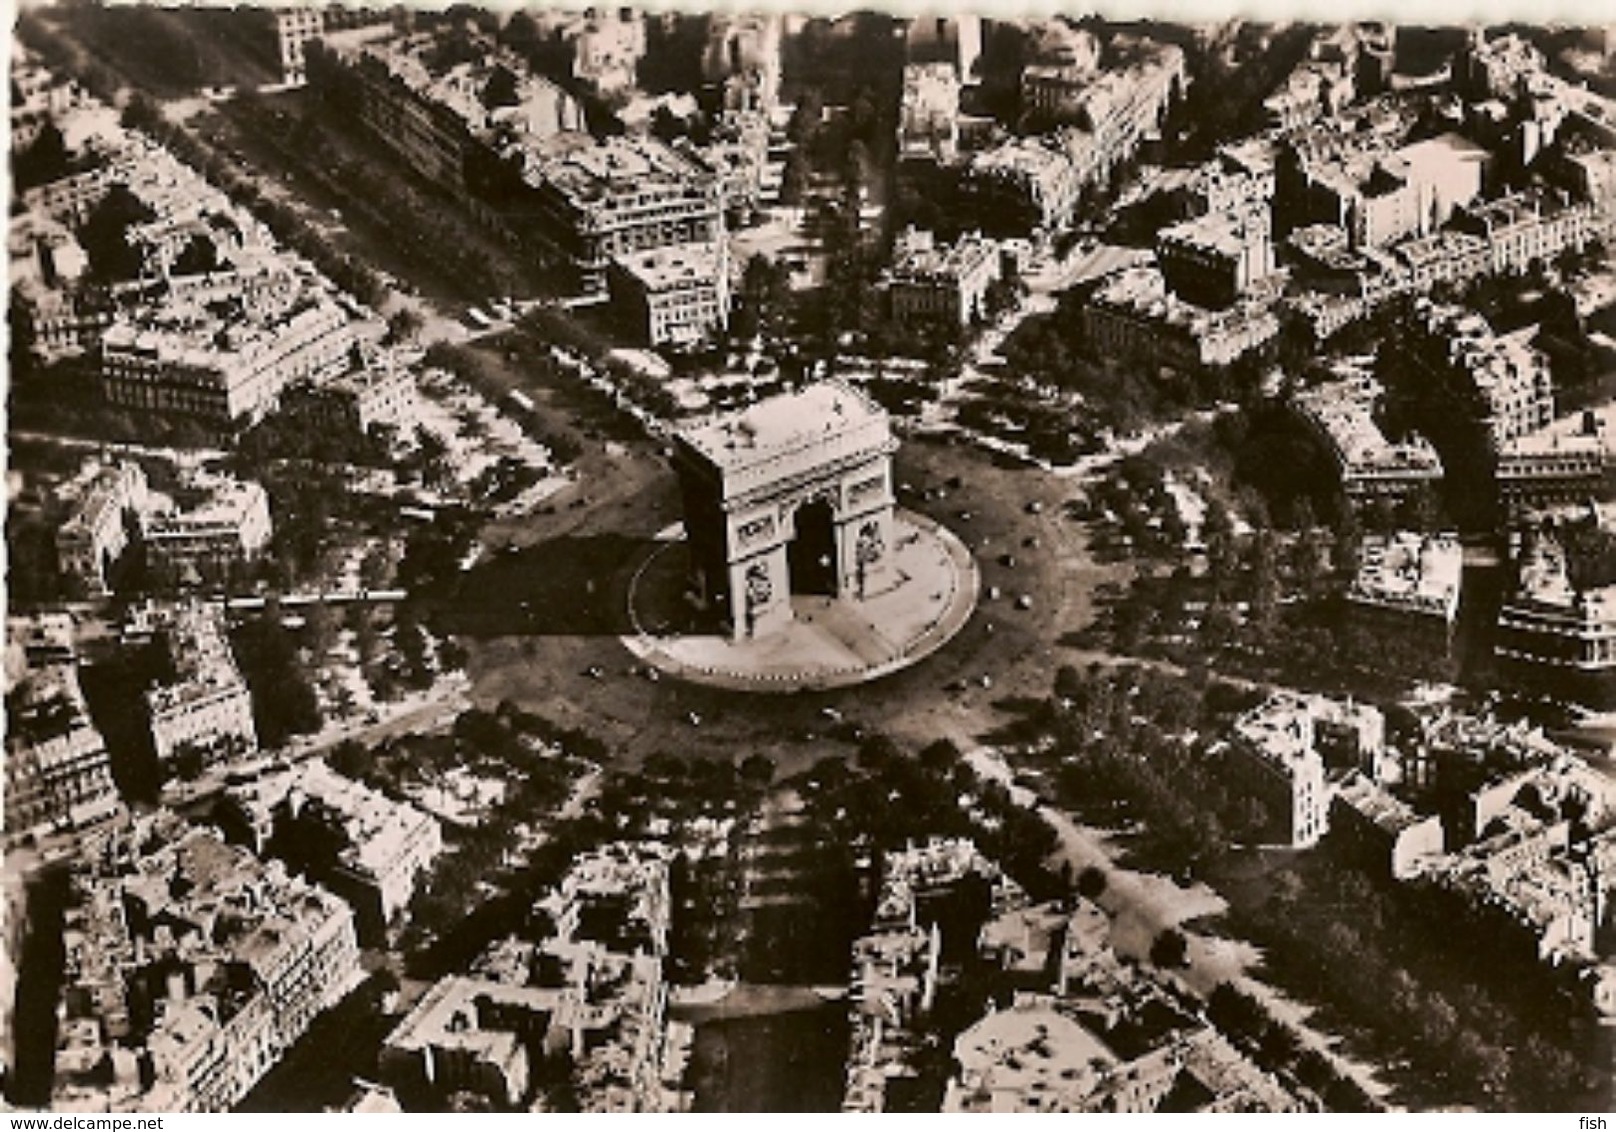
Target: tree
x,y
43,161
1265,586
320,629
806,118
199,257
794,178
1091,883
1170,949
105,235
404,324
757,770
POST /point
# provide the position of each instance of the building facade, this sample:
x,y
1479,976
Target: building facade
x,y
357,842
940,284
673,296
208,706
190,970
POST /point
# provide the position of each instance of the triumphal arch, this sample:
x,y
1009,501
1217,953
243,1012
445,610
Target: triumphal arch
x,y
792,495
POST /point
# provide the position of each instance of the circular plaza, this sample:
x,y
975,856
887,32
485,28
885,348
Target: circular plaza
x,y
922,599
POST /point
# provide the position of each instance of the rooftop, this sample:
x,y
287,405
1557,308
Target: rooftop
x,y
821,424
1410,569
682,265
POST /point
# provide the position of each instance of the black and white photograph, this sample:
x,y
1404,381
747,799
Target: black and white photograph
x,y
693,560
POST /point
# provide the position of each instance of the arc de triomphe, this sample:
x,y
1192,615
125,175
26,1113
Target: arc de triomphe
x,y
791,495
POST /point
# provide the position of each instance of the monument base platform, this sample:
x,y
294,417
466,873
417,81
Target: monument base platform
x,y
924,600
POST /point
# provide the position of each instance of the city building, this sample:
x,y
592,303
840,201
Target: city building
x,y
1279,753
39,97
929,113
1369,465
1385,832
956,39
1549,467
673,296
597,202
283,32
1549,624
1215,259
105,502
1135,315
896,966
944,285
58,775
448,116
357,842
227,367
743,59
1524,888
213,522
1068,1026
606,44
1052,88
206,707
1410,573
190,969
1501,384
1024,185
1533,227
379,392
1495,68
791,495
1040,1055
469,1035
1113,110
585,1006
1372,188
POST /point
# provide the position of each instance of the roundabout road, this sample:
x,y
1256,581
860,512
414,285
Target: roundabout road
x,y
831,643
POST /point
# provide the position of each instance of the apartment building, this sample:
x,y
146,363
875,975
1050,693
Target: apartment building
x,y
1279,752
940,284
1410,574
1369,464
357,842
58,774
187,359
929,112
105,503
1546,623
673,296
623,195
444,113
1135,315
587,1005
1215,259
216,522
1025,185
1500,383
190,969
207,706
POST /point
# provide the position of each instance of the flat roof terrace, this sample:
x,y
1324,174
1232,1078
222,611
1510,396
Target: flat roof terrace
x,y
814,427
